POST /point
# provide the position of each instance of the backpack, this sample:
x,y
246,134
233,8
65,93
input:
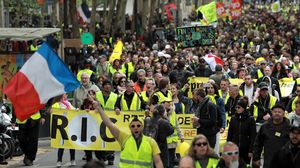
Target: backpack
x,y
151,129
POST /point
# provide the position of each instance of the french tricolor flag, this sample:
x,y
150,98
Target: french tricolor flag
x,y
84,13
43,76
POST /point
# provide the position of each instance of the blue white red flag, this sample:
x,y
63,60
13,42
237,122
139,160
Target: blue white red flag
x,y
43,76
84,13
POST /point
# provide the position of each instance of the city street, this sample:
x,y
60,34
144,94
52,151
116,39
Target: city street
x,y
46,158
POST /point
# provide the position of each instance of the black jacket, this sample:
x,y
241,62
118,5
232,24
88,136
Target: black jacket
x,y
230,105
287,157
271,138
207,114
242,131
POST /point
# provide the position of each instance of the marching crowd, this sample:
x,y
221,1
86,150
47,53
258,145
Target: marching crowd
x,y
152,76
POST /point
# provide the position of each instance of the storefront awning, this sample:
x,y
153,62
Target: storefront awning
x,y
25,34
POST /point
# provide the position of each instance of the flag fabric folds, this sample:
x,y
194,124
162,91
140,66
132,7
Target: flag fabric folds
x,y
209,13
43,76
84,13
212,60
117,52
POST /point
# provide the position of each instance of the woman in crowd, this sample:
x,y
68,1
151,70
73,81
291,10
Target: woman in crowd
x,y
242,129
203,155
279,71
121,88
179,106
64,104
165,70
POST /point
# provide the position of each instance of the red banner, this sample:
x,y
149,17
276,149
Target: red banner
x,y
171,11
221,11
236,9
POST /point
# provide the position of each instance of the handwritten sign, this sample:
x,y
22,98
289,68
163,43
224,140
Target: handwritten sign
x,y
195,36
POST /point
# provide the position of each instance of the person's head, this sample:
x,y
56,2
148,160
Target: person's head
x,y
267,71
248,80
64,96
198,95
230,154
116,77
157,78
149,72
136,127
186,162
159,110
211,89
166,102
278,113
233,91
174,89
106,86
295,135
224,85
234,65
94,164
85,79
264,89
263,64
164,83
296,59
150,84
200,147
226,66
129,87
91,95
165,68
297,109
122,81
241,105
141,74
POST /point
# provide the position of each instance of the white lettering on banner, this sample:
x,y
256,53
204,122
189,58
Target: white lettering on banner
x,y
220,10
236,5
236,13
79,132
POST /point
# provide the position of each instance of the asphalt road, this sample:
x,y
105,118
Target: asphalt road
x,y
46,158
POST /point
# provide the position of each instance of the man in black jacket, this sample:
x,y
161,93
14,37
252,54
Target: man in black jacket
x,y
289,155
272,135
205,119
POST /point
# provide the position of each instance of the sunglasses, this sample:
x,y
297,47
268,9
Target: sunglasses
x,y
133,126
201,144
123,81
230,153
226,65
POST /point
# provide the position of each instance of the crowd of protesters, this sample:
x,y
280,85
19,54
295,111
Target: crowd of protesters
x,y
152,75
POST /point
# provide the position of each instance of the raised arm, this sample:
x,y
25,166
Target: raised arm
x,y
111,126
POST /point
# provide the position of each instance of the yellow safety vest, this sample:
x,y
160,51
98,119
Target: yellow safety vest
x,y
111,101
160,95
88,71
135,103
294,103
131,157
56,105
35,116
130,69
33,48
221,95
212,163
259,74
298,81
174,137
271,104
144,96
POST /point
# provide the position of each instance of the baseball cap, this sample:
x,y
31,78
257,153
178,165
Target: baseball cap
x,y
294,127
263,85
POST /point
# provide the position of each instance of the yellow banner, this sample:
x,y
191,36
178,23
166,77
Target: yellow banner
x,y
286,86
209,12
84,130
195,83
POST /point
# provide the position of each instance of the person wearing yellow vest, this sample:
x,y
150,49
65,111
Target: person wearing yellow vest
x,y
34,46
162,92
291,106
172,140
108,101
179,106
224,90
130,100
203,155
28,135
64,104
137,150
150,86
262,105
